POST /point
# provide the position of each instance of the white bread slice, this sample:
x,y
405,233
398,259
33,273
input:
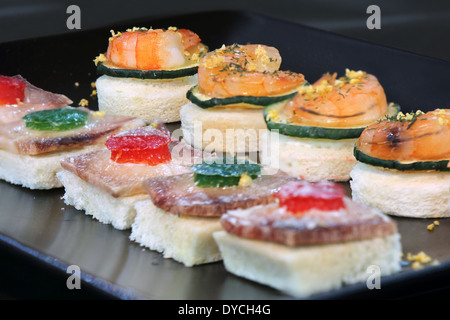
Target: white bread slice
x,y
307,270
149,100
230,130
119,212
310,159
407,194
36,172
188,240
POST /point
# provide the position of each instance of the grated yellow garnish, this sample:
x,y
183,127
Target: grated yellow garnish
x,y
98,114
138,29
100,58
308,91
416,265
421,257
273,115
339,83
351,77
76,84
221,49
351,74
431,226
245,180
114,35
251,66
214,61
92,85
93,93
324,87
419,260
408,116
195,57
83,103
400,115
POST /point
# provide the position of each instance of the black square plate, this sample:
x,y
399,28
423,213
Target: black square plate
x,y
39,224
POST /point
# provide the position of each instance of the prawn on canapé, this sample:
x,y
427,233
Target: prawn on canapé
x,y
356,99
245,70
409,137
154,49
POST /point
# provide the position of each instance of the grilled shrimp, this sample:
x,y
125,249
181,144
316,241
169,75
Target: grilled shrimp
x,y
154,49
357,99
412,137
245,70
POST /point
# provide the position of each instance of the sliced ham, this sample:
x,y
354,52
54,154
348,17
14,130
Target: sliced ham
x,y
275,224
121,180
184,154
17,138
179,194
35,99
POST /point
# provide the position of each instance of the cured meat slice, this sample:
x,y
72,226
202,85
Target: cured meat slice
x,y
125,179
179,194
275,224
35,99
17,138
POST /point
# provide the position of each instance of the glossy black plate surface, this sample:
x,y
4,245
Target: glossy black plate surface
x,y
40,225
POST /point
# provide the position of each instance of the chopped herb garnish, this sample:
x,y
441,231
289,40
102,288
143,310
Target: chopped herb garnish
x,y
409,118
411,123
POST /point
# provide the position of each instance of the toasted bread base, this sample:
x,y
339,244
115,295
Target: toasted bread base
x,y
36,172
149,100
227,130
185,239
310,159
407,194
307,270
119,212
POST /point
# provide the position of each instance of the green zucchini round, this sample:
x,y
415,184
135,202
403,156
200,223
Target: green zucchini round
x,y
205,102
106,69
440,165
312,132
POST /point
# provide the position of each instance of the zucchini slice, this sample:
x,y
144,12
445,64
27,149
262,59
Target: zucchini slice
x,y
205,101
105,68
276,120
439,165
